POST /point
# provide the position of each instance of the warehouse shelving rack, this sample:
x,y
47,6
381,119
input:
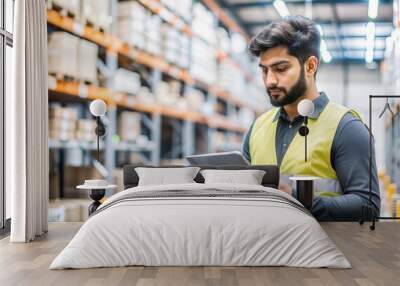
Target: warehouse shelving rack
x,y
184,122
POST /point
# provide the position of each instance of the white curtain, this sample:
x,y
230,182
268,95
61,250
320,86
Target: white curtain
x,y
26,124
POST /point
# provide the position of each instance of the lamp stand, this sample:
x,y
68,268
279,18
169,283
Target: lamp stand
x,y
100,132
303,131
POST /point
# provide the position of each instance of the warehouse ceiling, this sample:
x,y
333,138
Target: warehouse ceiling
x,y
343,22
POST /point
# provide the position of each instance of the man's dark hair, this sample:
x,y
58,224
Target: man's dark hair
x,y
299,34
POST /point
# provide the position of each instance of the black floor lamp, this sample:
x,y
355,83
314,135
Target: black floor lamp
x,y
368,211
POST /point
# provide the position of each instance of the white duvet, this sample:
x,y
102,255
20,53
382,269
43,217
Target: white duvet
x,y
183,231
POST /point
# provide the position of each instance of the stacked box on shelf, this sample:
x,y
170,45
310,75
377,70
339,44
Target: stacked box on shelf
x,y
203,24
127,81
184,51
71,6
153,35
180,7
195,100
97,12
145,96
184,9
87,61
223,40
132,23
204,63
167,93
63,54
86,130
230,78
72,57
129,126
176,46
62,123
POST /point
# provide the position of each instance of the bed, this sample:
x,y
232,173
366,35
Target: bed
x,y
201,224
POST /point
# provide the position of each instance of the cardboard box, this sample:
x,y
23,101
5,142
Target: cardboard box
x,y
86,125
87,62
62,135
132,9
127,81
62,124
129,125
56,111
97,12
63,54
72,6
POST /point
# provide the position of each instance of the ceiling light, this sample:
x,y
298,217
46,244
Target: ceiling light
x,y
326,56
370,43
373,8
281,8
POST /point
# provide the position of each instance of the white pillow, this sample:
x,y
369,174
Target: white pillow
x,y
248,177
166,176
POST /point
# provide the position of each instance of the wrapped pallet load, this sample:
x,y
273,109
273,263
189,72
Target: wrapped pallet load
x,y
62,123
86,130
127,81
97,13
132,23
88,61
68,6
63,55
129,126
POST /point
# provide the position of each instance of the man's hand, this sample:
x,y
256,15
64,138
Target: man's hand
x,y
284,187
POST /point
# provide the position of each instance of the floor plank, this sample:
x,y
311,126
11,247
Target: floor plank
x,y
374,255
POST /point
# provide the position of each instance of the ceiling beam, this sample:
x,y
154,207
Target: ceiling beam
x,y
345,22
234,15
299,2
330,37
225,18
352,60
352,49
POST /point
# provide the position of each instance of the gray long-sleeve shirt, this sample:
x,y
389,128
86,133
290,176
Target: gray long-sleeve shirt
x,y
349,158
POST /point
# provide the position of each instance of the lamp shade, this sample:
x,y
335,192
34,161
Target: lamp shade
x,y
98,107
305,107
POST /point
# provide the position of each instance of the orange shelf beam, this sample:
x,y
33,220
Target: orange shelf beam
x,y
91,92
225,18
168,16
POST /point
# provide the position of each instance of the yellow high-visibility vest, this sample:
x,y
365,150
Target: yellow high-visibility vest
x,y
319,144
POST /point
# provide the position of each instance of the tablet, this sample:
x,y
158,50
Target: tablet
x,y
217,159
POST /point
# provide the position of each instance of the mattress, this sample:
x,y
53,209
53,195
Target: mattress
x,y
201,225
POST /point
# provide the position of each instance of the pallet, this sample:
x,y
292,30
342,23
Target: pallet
x,y
89,23
68,78
62,10
63,77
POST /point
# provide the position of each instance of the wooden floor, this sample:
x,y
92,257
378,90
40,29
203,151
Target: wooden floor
x,y
374,255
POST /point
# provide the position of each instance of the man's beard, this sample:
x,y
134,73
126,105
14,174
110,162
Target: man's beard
x,y
294,93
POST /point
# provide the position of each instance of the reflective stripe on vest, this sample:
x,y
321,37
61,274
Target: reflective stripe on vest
x,y
319,144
